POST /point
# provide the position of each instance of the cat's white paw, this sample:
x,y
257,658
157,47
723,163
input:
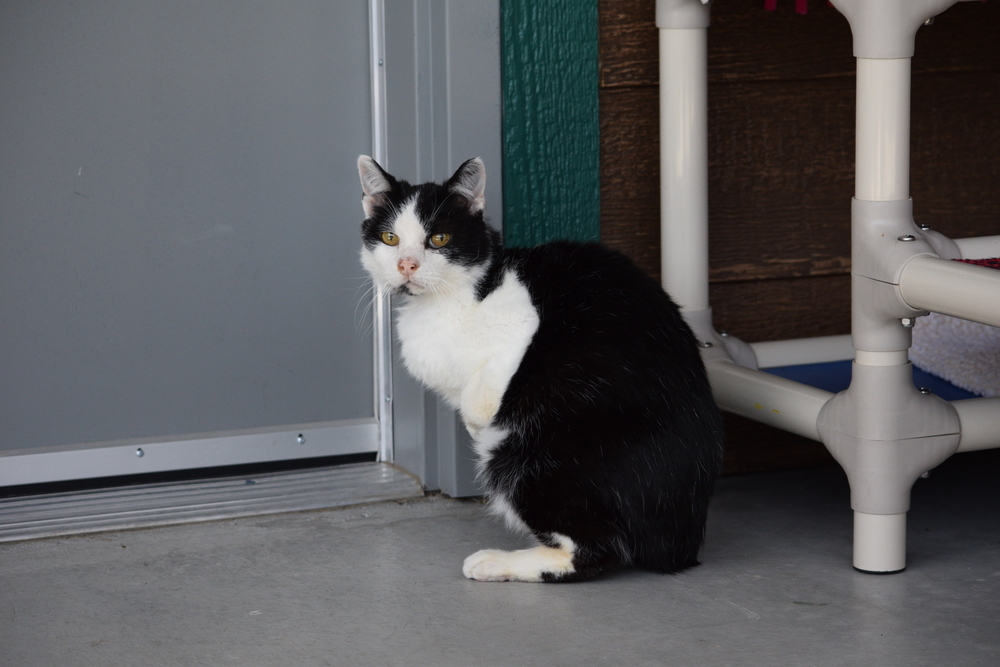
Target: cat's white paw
x,y
523,565
487,565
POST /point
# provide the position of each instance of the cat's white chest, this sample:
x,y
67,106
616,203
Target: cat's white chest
x,y
467,350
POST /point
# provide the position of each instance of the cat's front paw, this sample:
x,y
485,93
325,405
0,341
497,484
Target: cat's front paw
x,y
487,565
535,564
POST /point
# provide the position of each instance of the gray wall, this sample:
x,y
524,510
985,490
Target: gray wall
x,y
443,106
179,218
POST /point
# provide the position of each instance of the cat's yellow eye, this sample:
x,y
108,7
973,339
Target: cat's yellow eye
x,y
389,238
439,240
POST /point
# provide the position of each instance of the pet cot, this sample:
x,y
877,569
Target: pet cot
x,y
882,430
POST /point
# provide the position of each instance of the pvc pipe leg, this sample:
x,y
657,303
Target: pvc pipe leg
x,y
684,166
879,542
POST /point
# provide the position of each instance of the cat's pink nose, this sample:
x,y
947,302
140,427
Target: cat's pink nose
x,y
408,267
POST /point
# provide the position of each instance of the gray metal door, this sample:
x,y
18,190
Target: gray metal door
x,y
179,275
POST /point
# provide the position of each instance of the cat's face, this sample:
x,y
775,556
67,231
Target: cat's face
x,y
424,239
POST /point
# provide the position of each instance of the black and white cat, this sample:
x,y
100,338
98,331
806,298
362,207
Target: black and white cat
x,y
580,383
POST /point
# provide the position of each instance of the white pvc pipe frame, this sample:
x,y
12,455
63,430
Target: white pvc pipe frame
x,y
882,174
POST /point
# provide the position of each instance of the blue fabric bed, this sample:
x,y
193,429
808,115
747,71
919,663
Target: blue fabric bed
x,y
836,375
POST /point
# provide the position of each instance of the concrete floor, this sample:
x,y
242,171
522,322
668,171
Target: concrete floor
x,y
382,585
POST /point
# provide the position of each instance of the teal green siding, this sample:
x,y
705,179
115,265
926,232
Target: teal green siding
x,y
551,131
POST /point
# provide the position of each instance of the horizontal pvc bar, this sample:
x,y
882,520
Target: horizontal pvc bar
x,y
769,399
952,288
979,247
795,351
980,421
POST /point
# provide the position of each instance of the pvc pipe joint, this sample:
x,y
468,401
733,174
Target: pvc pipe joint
x,y
886,28
679,14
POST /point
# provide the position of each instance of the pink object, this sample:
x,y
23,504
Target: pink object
x,y
992,263
801,6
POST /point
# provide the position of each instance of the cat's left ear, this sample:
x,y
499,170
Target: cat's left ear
x,y
470,182
374,183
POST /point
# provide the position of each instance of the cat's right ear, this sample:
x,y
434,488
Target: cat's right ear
x,y
470,182
374,184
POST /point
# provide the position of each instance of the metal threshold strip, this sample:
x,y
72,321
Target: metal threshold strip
x,y
166,503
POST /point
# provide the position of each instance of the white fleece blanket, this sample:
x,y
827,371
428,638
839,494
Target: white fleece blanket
x,y
966,354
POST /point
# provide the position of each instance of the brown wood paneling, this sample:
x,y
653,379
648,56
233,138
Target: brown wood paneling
x,y
628,43
780,191
955,151
781,178
760,310
747,43
781,164
963,38
777,208
781,151
630,174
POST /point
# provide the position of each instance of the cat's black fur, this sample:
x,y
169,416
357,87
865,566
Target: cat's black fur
x,y
613,436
